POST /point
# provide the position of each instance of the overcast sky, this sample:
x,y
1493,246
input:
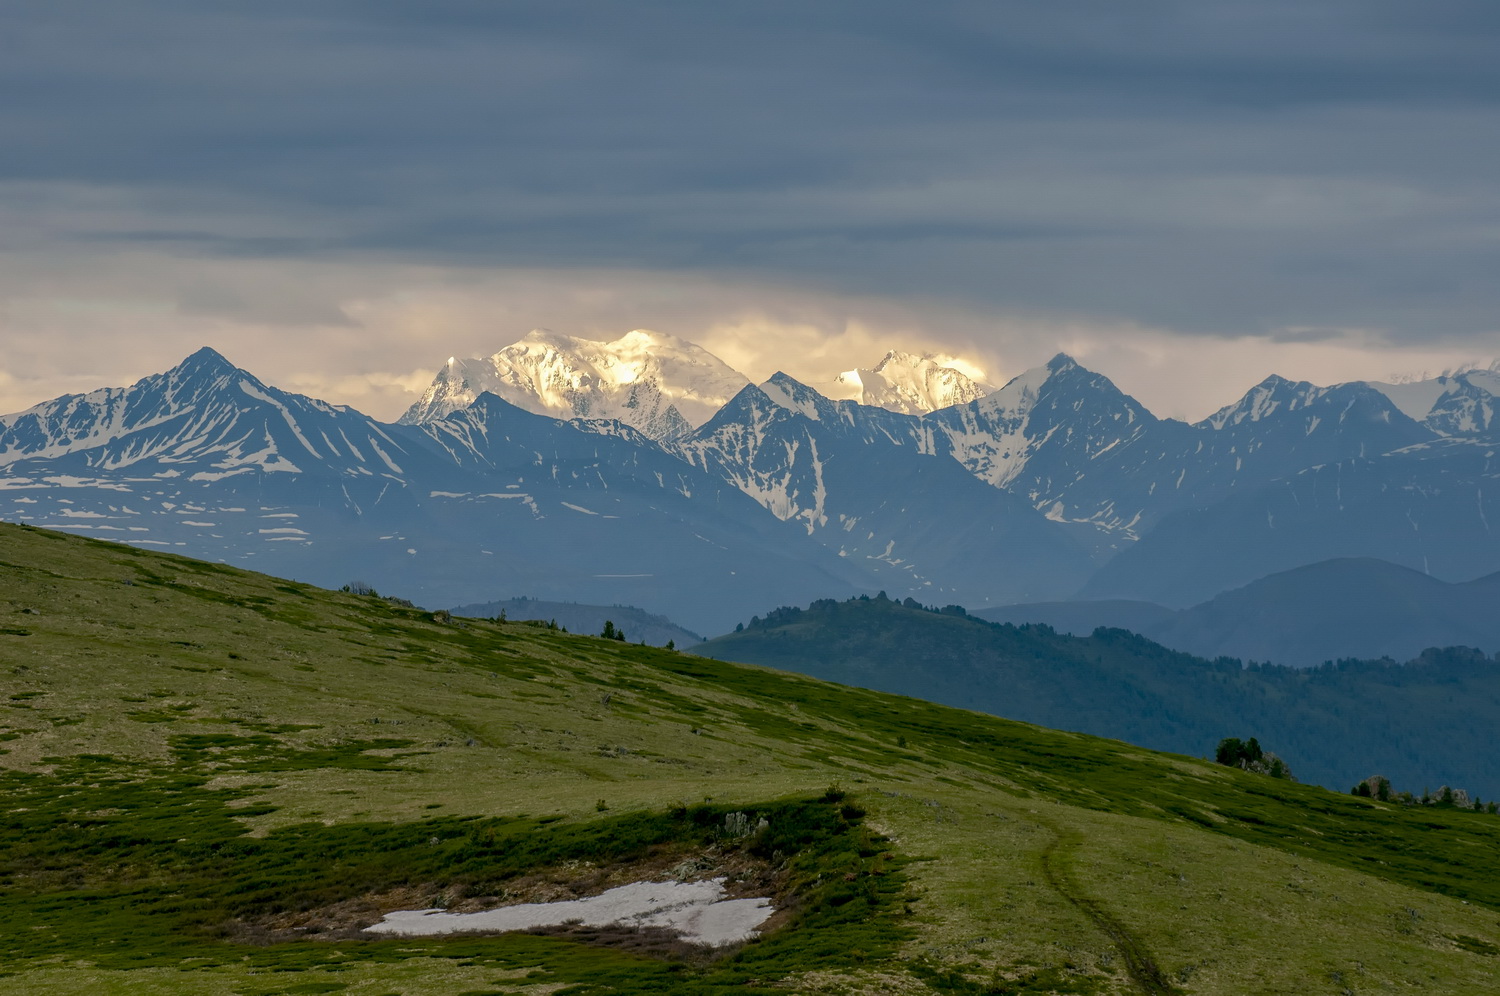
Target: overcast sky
x,y
339,195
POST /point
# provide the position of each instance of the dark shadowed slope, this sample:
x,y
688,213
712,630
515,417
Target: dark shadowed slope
x,y
1334,609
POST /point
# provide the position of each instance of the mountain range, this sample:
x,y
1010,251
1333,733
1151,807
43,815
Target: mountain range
x,y
672,483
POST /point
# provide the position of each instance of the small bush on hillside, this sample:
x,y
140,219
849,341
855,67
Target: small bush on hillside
x,y
1249,756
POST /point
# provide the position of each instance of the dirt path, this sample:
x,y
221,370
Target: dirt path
x,y
1139,965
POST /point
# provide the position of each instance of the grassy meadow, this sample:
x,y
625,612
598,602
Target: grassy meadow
x,y
210,779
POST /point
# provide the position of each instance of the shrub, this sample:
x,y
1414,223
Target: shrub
x,y
1249,756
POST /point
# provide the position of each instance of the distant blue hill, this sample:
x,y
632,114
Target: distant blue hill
x,y
1334,609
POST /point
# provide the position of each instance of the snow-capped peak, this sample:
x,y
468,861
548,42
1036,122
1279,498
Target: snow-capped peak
x,y
793,395
912,384
1020,393
204,417
658,383
1270,395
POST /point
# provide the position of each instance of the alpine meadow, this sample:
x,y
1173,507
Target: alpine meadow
x,y
214,778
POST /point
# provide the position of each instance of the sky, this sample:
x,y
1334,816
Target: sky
x,y
1186,196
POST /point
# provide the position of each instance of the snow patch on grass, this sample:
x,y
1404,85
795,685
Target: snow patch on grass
x,y
696,910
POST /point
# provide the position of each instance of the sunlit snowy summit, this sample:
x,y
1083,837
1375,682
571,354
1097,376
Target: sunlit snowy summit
x,y
912,384
660,384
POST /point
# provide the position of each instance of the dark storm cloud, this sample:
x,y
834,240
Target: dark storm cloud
x,y
1289,168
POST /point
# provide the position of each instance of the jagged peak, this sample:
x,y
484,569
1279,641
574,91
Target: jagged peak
x,y
1277,382
205,360
1029,383
1063,367
1259,402
1277,394
782,378
793,395
490,405
748,399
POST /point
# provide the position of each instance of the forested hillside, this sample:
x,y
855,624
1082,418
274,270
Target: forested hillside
x,y
1428,722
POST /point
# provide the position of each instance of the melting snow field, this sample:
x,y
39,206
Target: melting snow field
x,y
696,910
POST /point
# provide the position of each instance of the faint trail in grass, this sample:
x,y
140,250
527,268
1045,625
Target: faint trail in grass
x,y
1139,964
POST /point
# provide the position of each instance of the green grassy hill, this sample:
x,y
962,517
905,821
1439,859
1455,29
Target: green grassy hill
x,y
212,778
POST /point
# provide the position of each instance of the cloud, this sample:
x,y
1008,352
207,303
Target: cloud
x,y
829,178
371,335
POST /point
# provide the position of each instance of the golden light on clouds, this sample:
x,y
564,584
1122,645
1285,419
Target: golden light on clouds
x,y
372,335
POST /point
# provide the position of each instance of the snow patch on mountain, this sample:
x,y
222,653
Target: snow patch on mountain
x,y
1457,402
793,396
660,384
912,384
991,436
1414,398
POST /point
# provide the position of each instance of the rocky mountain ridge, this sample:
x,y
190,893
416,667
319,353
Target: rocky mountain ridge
x,y
1057,483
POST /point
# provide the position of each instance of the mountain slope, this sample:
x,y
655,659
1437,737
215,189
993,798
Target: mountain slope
x,y
227,752
1081,450
917,519
1069,443
1427,507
